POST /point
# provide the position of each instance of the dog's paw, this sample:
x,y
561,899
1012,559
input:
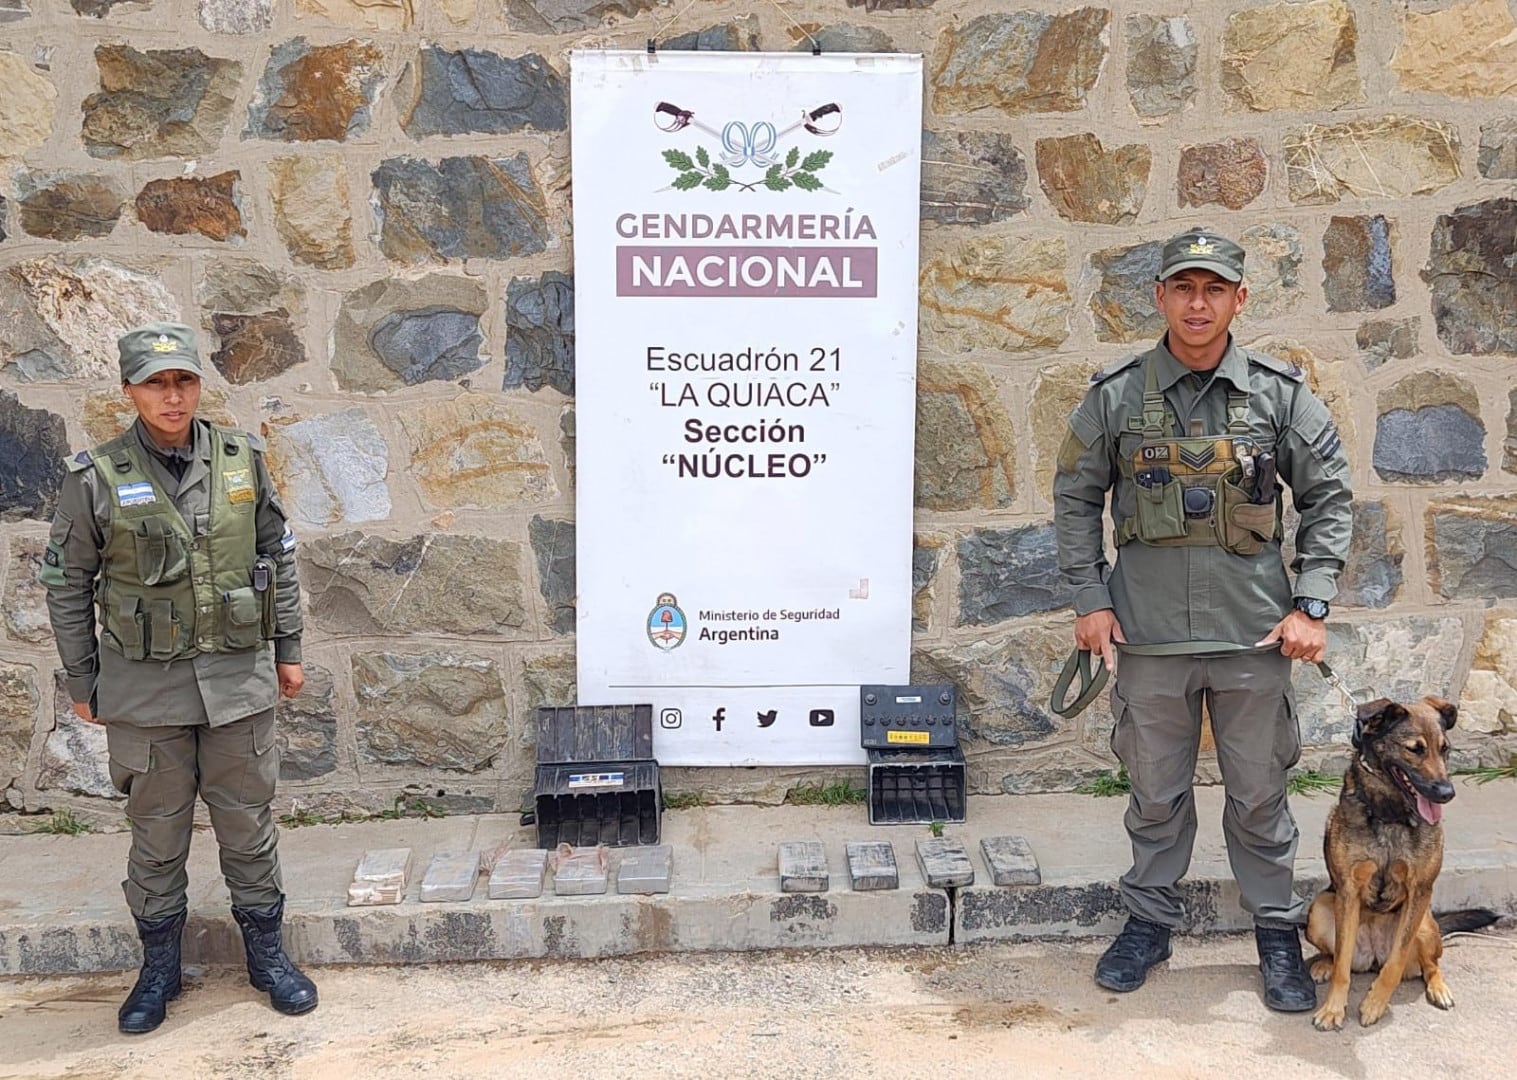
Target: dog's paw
x,y
1372,1008
1438,994
1329,1017
1321,968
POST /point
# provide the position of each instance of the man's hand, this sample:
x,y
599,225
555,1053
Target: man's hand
x,y
1300,637
82,711
1096,632
292,678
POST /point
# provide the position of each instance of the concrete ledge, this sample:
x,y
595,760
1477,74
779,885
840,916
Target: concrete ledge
x,y
61,910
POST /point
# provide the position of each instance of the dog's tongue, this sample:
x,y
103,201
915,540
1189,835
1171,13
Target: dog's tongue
x,y
1431,812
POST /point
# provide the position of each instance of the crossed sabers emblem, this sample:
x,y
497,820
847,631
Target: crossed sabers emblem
x,y
757,143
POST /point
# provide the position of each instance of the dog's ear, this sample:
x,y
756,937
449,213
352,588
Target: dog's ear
x,y
1375,716
1447,711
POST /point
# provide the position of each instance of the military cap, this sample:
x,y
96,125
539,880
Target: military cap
x,y
159,346
1202,249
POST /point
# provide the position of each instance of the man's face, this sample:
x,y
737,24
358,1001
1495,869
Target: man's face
x,y
1199,306
166,402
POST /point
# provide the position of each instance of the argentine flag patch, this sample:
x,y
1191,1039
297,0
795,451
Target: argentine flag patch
x,y
287,541
135,494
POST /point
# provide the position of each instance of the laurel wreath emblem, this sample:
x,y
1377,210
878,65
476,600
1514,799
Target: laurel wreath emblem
x,y
702,172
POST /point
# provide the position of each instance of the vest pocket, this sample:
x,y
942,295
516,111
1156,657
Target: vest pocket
x,y
1160,510
161,557
130,628
242,618
1244,527
163,630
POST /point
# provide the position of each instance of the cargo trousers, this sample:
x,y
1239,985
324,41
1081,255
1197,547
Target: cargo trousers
x,y
161,770
1157,702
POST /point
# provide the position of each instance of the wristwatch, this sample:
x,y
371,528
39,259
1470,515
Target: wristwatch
x,y
1312,609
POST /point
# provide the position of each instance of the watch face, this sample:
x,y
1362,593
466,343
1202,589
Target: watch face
x,y
1314,609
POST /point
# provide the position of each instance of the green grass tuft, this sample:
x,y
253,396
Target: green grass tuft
x,y
1484,774
1107,784
1312,782
63,823
842,793
685,800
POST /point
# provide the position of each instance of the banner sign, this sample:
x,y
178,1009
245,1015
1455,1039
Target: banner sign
x,y
745,260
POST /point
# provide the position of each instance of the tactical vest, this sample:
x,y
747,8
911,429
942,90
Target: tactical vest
x,y
1188,490
165,593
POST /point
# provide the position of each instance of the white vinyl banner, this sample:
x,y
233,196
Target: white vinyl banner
x,y
745,259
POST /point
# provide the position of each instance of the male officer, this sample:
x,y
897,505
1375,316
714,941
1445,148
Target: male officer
x,y
1189,438
175,532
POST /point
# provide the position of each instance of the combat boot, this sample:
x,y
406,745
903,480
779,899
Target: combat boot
x,y
1287,985
159,981
1125,963
269,968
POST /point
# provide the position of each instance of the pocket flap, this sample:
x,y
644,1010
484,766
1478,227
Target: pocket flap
x,y
1257,518
128,747
243,607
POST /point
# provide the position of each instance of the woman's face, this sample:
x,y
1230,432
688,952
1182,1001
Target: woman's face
x,y
166,403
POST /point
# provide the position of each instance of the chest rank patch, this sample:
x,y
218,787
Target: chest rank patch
x,y
239,485
135,494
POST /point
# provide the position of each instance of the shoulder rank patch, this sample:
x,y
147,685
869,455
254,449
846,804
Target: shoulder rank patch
x,y
80,461
1121,365
1287,368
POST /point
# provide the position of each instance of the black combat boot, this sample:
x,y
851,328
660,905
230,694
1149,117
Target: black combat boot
x,y
159,982
1287,986
269,968
1140,945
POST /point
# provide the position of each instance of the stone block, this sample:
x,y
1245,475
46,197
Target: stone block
x,y
540,333
1358,264
871,866
803,866
553,544
381,15
380,877
1006,294
24,610
235,16
459,208
1472,269
1020,62
1380,340
841,37
67,206
30,104
1059,389
236,285
1509,444
475,451
972,177
1161,64
519,874
60,316
450,877
1464,50
1498,149
34,442
256,347
926,555
1372,577
580,872
74,756
1488,704
1007,573
307,730
331,469
437,710
1004,685
1429,430
18,715
563,16
14,10
645,871
1122,303
168,103
358,584
1086,182
316,92
1011,860
1274,271
872,6
945,863
1231,173
398,332
1296,56
312,213
965,440
739,35
1388,157
1472,548
208,205
472,91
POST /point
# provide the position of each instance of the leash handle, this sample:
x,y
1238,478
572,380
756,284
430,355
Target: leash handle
x,y
1090,685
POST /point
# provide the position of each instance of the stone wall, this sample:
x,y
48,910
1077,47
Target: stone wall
x,y
364,206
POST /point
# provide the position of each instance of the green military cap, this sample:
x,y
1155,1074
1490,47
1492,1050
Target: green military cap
x,y
159,346
1202,249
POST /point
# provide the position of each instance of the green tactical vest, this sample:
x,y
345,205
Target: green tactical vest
x,y
1187,490
164,593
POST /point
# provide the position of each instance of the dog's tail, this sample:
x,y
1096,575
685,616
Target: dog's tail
x,y
1466,919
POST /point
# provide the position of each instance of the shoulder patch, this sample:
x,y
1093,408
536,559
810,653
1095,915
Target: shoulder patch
x,y
1287,368
80,461
1121,365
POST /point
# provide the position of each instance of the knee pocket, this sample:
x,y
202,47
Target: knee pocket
x,y
262,763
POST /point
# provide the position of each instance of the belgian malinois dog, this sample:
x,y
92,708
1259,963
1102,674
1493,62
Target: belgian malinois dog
x,y
1384,849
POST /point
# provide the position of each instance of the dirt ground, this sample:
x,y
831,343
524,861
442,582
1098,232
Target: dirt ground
x,y
990,1011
